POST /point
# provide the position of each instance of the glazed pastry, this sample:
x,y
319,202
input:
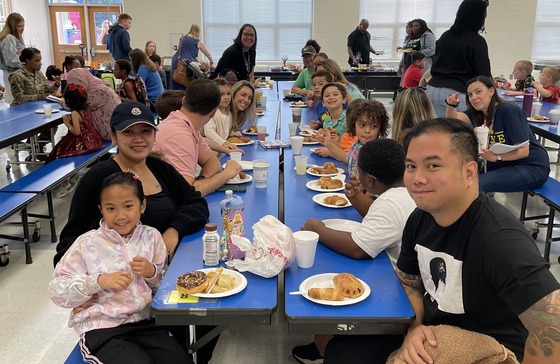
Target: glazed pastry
x,y
328,294
348,285
192,282
329,183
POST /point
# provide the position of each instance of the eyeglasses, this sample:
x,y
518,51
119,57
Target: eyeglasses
x,y
367,174
248,35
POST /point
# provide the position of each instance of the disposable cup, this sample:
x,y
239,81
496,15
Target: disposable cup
x,y
297,144
536,109
48,110
260,174
296,115
306,245
261,132
286,91
301,164
482,137
235,156
293,128
263,102
554,116
258,96
267,79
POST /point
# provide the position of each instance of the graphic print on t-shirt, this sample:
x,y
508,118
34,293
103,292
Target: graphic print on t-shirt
x,y
443,279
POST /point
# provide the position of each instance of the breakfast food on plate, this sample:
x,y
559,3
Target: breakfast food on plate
x,y
335,200
540,117
213,279
242,175
238,140
225,283
328,294
329,183
327,168
298,103
348,285
252,129
259,110
192,282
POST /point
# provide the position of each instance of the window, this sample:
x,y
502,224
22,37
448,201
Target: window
x,y
388,18
283,26
547,29
4,12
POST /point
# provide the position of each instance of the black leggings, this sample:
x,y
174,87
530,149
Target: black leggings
x,y
361,349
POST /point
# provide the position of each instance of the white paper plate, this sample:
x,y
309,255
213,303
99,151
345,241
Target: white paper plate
x,y
301,106
340,171
239,278
325,280
310,143
306,133
42,111
341,224
250,133
261,113
245,165
242,144
314,185
238,181
318,199
531,119
519,97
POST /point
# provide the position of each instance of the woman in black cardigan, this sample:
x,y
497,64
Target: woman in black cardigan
x,y
241,55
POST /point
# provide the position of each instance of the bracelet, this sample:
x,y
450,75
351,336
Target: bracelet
x,y
452,105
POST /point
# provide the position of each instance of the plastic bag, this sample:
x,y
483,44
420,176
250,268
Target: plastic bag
x,y
272,251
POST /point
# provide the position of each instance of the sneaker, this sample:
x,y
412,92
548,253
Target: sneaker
x,y
307,354
66,190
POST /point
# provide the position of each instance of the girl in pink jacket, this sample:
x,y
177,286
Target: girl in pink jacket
x,y
108,278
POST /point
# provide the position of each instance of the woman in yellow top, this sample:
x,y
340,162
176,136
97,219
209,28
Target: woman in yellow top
x,y
29,83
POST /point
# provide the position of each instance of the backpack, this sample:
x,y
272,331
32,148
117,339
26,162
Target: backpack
x,y
109,77
140,89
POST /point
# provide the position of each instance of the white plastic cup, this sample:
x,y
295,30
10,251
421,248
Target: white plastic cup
x,y
297,144
293,128
267,79
236,156
48,110
261,132
296,115
482,137
260,174
306,245
536,109
554,116
301,164
263,102
286,91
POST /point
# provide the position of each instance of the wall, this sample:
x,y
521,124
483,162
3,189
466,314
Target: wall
x,y
509,26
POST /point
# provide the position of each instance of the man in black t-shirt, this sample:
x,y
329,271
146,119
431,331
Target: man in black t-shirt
x,y
465,260
359,45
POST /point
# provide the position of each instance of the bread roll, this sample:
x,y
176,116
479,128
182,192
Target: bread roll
x,y
328,294
348,285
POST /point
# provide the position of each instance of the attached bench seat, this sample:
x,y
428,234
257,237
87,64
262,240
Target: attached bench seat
x,y
44,179
550,193
11,203
75,356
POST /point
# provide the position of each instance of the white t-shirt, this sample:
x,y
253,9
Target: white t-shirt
x,y
383,226
217,129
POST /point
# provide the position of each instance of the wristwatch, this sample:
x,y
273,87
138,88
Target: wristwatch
x,y
452,105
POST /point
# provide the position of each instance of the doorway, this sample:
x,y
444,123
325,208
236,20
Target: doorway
x,y
75,33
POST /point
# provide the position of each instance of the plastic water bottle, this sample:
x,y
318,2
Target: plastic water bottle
x,y
211,245
233,223
528,101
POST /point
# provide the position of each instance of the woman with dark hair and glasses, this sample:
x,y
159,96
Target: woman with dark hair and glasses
x,y
461,54
241,55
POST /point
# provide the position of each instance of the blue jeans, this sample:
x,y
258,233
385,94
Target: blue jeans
x,y
438,96
513,178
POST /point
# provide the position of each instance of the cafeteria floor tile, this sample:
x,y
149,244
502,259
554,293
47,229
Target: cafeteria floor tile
x,y
35,330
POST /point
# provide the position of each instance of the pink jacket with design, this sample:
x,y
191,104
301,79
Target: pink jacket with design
x,y
104,251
